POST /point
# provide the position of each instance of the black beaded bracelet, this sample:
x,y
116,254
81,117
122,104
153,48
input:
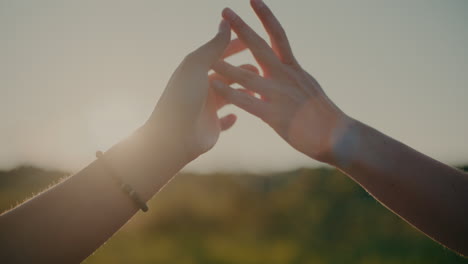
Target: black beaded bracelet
x,y
126,188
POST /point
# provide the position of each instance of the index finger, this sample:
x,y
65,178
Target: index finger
x,y
258,46
210,52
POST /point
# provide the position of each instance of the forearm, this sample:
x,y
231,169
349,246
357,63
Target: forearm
x,y
69,221
428,194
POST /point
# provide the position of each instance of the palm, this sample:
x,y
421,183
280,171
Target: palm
x,y
186,113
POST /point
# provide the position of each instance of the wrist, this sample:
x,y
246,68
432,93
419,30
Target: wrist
x,y
156,142
345,141
146,161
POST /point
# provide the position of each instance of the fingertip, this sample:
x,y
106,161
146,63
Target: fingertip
x,y
228,13
232,117
228,121
224,12
257,3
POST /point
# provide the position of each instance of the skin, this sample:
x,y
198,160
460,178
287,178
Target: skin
x,y
430,195
68,222
71,220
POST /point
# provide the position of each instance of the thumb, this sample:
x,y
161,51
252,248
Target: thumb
x,y
213,50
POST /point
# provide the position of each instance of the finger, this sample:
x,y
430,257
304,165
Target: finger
x,y
223,101
216,76
278,37
227,121
258,46
251,68
249,92
243,100
247,79
234,47
212,51
219,77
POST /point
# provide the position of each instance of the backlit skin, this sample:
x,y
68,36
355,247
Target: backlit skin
x,y
71,220
430,195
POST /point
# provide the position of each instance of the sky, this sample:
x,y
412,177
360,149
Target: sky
x,y
78,76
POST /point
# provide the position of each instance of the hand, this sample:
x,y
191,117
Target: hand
x,y
186,114
291,101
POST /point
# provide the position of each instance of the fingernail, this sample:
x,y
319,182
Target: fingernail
x,y
223,26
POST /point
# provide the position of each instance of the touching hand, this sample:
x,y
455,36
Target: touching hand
x,y
291,101
186,114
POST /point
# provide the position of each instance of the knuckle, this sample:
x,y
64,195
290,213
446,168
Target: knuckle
x,y
247,78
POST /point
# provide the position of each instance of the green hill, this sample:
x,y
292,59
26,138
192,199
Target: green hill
x,y
301,216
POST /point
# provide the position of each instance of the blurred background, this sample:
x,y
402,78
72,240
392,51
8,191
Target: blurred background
x,y
77,76
300,216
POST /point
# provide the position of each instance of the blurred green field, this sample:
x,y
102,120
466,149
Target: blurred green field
x,y
302,216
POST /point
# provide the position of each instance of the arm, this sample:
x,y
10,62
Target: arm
x,y
69,221
431,196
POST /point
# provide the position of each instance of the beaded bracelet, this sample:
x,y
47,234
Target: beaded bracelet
x,y
126,188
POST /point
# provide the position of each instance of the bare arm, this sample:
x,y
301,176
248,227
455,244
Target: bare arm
x,y
69,221
430,195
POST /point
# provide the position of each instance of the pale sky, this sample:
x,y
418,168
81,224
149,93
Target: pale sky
x,y
77,76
